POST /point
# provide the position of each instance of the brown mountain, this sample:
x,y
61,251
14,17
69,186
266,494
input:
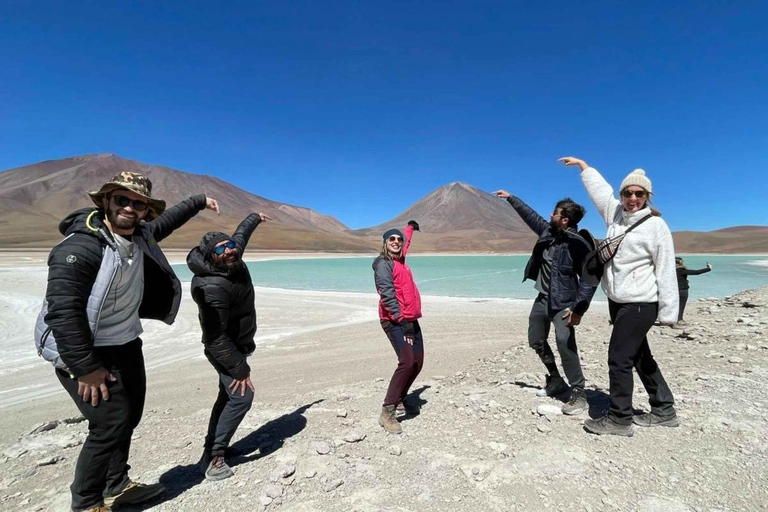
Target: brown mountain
x,y
36,197
460,217
733,240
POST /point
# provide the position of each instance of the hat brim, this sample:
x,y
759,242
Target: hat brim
x,y
156,206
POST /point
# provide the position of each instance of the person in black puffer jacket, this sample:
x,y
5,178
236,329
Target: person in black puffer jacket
x,y
223,291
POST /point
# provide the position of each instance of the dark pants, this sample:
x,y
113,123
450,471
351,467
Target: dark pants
x,y
683,301
539,321
410,359
228,411
102,467
629,349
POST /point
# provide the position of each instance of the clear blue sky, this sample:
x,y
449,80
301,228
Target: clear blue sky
x,y
357,109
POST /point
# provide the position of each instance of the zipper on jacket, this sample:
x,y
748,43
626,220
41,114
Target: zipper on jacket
x,y
109,285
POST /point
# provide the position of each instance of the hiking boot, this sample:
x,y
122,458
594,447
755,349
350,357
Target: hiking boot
x,y
606,426
651,419
389,421
408,408
98,508
134,493
218,469
555,386
578,402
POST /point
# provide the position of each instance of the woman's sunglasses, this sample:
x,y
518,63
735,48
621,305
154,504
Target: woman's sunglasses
x,y
219,249
395,238
123,201
640,194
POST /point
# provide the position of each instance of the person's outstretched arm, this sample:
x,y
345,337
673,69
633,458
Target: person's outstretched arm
x,y
408,233
246,228
700,271
176,216
600,192
536,222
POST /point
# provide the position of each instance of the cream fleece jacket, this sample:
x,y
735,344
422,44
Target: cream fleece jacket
x,y
643,269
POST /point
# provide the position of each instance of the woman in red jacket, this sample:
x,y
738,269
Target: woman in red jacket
x,y
399,311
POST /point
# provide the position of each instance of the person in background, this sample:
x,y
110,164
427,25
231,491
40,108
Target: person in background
x,y
682,284
399,312
223,291
641,287
555,267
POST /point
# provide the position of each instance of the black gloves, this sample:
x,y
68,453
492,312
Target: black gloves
x,y
408,329
414,225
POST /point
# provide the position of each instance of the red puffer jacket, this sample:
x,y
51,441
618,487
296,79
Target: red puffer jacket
x,y
400,298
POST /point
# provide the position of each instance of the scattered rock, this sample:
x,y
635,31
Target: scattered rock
x,y
354,436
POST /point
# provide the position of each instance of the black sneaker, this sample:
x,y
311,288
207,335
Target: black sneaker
x,y
606,426
578,402
555,386
651,419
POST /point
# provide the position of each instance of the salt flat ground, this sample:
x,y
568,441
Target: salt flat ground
x,y
311,441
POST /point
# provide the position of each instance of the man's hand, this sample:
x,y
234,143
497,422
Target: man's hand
x,y
571,318
571,161
503,194
212,204
709,266
91,384
264,217
240,385
408,331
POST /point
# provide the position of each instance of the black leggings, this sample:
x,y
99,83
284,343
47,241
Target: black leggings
x,y
629,349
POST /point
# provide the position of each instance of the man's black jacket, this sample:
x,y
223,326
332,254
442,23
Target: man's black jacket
x,y
224,296
74,264
566,289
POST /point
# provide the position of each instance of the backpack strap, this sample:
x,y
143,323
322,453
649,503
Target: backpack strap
x,y
633,226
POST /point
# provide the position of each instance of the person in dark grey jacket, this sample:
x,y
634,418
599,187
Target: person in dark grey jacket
x,y
682,284
106,275
555,266
223,291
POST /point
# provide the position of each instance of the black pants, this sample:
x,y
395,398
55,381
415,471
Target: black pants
x,y
410,359
629,349
539,321
683,301
102,467
227,414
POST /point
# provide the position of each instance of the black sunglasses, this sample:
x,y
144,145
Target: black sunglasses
x,y
219,249
395,238
637,193
123,201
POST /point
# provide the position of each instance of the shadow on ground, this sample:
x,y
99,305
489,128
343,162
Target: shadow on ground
x,y
267,439
414,397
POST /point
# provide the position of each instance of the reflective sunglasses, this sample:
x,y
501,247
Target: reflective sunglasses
x,y
395,238
640,194
123,201
219,249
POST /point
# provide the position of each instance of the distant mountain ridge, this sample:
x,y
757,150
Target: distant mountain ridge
x,y
454,218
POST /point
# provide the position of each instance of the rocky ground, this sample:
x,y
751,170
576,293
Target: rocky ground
x,y
484,440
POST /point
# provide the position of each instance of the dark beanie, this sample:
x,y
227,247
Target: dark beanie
x,y
209,241
388,233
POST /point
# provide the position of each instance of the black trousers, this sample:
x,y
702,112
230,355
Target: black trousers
x,y
629,349
102,467
539,322
410,360
227,414
683,302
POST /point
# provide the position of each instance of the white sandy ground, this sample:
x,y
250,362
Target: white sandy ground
x,y
321,369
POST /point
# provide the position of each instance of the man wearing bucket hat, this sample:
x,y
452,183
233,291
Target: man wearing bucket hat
x,y
223,291
104,277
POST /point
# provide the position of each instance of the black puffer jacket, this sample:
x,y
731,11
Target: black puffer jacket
x,y
224,296
566,288
74,264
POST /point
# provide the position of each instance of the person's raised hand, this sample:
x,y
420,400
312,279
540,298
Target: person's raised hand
x,y
503,194
212,204
264,217
709,265
414,225
569,161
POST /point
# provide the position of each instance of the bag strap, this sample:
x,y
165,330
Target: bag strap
x,y
633,226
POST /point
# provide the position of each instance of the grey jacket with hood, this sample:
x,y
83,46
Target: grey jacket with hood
x,y
80,271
